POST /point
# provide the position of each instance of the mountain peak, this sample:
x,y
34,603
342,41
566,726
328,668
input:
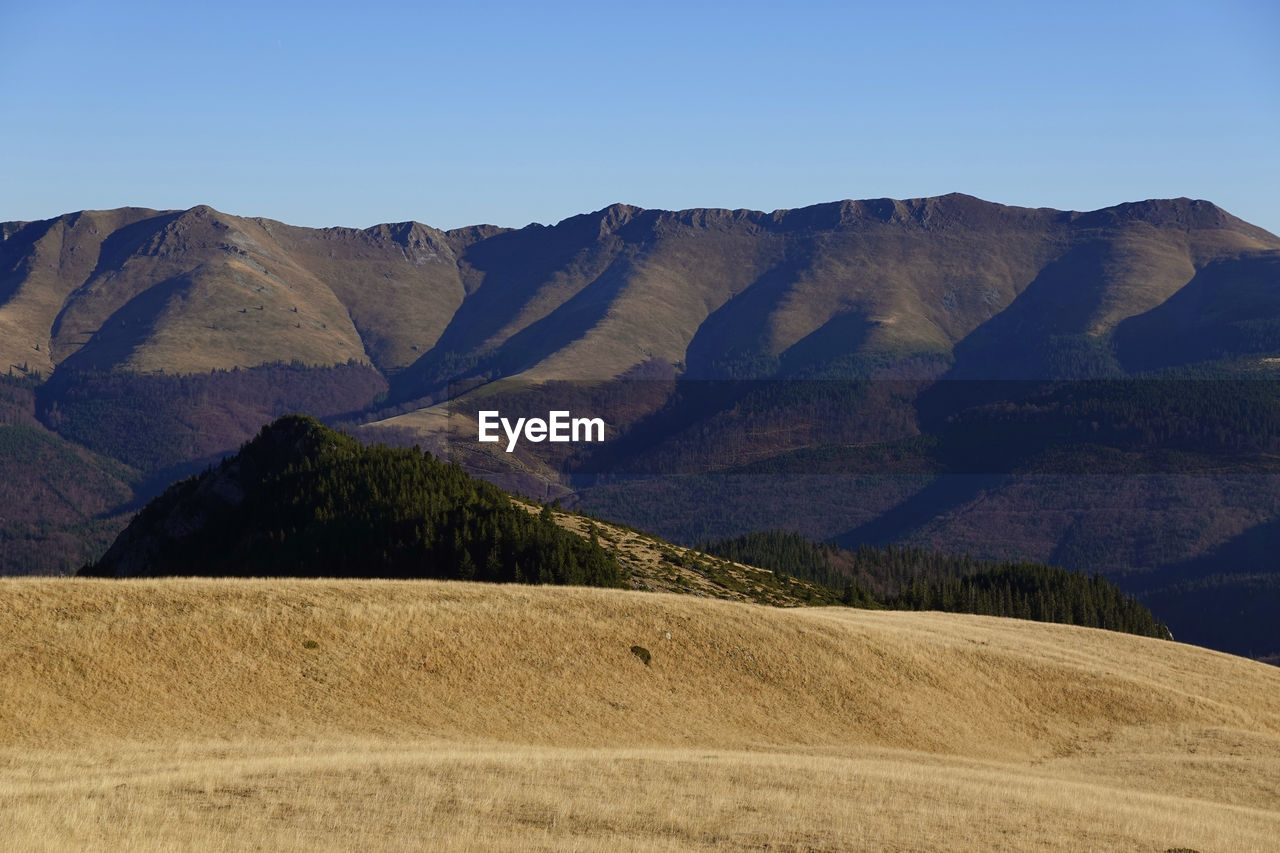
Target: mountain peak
x,y
299,433
1179,213
607,219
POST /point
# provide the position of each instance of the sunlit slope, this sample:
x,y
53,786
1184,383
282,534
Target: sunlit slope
x,y
714,292
403,715
190,291
141,660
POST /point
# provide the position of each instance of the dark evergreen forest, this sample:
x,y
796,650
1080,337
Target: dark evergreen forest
x,y
916,579
302,500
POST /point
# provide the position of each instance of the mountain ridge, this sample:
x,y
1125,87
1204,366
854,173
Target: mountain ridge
x,y
350,298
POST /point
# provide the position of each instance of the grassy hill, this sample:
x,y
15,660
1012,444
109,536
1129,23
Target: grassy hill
x,y
397,715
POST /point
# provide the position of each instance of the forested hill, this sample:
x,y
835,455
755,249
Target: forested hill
x,y
916,579
303,500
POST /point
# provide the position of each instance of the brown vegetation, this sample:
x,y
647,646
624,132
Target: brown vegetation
x,y
398,715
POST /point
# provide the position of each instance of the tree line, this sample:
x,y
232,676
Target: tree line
x,y
908,578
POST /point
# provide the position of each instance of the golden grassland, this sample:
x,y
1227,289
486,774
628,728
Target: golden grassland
x,y
199,714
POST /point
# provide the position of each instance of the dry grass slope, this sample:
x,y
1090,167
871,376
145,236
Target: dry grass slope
x,y
657,566
402,715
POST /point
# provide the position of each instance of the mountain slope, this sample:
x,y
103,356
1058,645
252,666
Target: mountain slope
x,y
595,295
60,504
198,290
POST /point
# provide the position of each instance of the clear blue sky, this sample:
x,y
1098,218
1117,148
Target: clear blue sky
x,y
460,113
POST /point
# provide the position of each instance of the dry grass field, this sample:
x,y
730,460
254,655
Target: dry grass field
x,y
337,715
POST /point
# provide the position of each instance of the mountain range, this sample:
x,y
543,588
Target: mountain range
x,y
959,375
602,293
